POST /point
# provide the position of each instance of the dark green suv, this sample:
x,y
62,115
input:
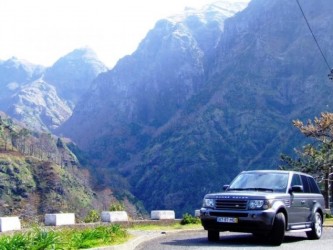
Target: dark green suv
x,y
266,203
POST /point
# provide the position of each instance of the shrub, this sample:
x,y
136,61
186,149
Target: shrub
x,y
189,219
117,206
92,216
328,216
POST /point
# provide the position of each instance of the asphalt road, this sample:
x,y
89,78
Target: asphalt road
x,y
198,240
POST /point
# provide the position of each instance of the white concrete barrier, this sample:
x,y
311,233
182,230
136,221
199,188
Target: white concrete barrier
x,y
59,219
114,216
9,224
162,215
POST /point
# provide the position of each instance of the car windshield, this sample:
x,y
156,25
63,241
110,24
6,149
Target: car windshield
x,y
259,181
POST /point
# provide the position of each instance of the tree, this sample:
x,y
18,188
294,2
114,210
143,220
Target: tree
x,y
317,158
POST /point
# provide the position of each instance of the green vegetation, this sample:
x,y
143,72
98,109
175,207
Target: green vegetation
x,y
39,174
39,239
315,158
329,217
92,216
189,219
117,206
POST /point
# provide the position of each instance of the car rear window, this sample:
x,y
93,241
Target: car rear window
x,y
313,186
306,186
309,185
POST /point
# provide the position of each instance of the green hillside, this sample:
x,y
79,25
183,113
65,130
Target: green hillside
x,y
39,174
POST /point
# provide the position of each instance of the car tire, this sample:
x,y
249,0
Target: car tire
x,y
316,228
278,230
213,235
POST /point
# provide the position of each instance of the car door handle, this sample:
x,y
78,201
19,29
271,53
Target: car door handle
x,y
303,202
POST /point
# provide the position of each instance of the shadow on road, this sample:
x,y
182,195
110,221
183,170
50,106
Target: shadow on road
x,y
234,240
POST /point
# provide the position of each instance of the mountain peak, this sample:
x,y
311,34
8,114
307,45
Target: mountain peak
x,y
223,8
85,54
82,53
73,73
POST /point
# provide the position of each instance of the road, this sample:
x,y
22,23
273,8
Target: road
x,y
195,240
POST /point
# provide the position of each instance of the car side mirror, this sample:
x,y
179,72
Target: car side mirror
x,y
296,189
225,187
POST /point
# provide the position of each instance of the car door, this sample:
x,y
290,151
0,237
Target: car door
x,y
298,211
308,198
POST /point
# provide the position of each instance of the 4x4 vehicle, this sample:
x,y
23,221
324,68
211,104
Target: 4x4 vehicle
x,y
266,203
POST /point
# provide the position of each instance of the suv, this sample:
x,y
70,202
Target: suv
x,y
266,203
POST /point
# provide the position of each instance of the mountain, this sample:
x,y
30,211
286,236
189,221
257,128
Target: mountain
x,y
206,95
38,105
72,74
15,73
126,105
43,98
267,72
39,174
141,98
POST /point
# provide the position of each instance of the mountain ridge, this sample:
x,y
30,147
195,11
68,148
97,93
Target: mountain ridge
x,y
173,139
59,86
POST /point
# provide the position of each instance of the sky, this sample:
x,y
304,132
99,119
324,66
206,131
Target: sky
x,y
42,31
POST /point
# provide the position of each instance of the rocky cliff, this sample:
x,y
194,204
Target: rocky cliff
x,y
206,95
43,98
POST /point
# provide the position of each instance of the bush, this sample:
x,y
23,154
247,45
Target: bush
x,y
92,216
117,206
189,219
328,216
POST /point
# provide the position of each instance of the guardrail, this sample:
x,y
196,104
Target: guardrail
x,y
68,219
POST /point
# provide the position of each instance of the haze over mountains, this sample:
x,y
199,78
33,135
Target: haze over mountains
x,y
207,94
44,98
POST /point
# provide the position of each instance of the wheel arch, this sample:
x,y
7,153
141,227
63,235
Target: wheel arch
x,y
319,209
285,213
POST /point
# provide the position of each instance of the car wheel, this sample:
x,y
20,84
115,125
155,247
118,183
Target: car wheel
x,y
277,233
316,228
213,235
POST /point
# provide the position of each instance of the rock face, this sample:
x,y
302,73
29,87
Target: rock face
x,y
38,105
267,72
129,103
44,98
206,95
72,74
15,73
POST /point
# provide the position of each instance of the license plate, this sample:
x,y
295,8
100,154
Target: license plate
x,y
227,219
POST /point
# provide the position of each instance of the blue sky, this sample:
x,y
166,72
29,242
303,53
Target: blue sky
x,y
42,31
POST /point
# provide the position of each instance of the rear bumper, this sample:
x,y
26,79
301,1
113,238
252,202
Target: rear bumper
x,y
248,221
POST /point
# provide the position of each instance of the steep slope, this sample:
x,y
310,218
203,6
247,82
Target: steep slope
x,y
126,105
39,174
38,105
72,74
13,74
204,96
44,98
268,72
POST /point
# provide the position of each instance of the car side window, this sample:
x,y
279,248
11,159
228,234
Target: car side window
x,y
296,180
306,186
313,186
